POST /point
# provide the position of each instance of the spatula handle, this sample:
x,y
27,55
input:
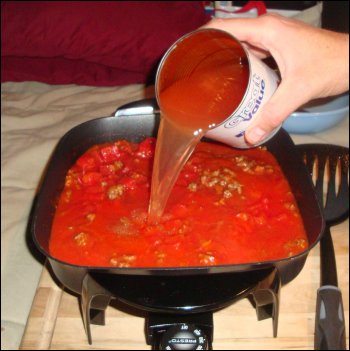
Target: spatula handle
x,y
330,324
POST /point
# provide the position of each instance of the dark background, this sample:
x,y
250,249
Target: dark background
x,y
335,14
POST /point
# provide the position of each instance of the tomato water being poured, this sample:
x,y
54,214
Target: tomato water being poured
x,y
207,84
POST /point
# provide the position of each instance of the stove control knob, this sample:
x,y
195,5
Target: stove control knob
x,y
184,337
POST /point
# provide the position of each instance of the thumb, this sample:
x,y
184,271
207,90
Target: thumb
x,y
283,102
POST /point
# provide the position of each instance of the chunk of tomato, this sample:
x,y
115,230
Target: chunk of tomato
x,y
146,148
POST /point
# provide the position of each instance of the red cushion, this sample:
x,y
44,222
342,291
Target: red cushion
x,y
91,42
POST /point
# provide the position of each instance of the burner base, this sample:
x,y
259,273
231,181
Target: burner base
x,y
196,298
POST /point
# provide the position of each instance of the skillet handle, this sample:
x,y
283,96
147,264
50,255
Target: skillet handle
x,y
330,324
140,107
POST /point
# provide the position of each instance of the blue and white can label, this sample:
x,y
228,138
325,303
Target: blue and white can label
x,y
263,82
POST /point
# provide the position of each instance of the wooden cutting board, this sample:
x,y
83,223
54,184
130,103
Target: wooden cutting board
x,y
55,321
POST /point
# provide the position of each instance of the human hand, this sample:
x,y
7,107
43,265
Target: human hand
x,y
313,63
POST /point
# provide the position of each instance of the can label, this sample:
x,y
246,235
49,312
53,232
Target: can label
x,y
263,82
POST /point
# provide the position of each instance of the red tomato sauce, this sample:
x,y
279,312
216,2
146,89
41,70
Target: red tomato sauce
x,y
228,206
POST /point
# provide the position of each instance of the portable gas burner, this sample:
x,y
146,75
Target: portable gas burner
x,y
180,301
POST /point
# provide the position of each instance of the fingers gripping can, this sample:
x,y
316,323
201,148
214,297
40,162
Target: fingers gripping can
x,y
221,84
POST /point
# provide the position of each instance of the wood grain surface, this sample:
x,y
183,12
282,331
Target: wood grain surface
x,y
55,321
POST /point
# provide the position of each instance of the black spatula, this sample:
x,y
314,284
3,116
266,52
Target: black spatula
x,y
329,167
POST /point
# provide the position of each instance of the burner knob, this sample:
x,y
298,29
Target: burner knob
x,y
184,337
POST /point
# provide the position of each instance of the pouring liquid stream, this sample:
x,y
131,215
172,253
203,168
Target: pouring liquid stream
x,y
190,107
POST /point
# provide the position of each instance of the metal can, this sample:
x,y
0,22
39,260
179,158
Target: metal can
x,y
207,49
